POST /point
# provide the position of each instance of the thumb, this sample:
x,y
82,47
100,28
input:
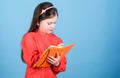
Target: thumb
x,y
58,55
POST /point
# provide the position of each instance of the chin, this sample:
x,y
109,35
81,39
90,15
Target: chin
x,y
49,32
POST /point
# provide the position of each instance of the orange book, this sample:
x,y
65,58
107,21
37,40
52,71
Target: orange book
x,y
52,51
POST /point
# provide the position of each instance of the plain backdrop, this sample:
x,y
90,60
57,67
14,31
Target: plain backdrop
x,y
92,25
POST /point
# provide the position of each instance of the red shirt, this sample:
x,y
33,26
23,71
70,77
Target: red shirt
x,y
33,45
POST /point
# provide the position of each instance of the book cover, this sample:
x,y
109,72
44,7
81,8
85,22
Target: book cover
x,y
52,51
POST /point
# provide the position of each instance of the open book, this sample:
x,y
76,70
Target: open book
x,y
52,51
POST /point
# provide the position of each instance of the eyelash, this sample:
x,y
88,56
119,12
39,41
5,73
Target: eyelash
x,y
51,23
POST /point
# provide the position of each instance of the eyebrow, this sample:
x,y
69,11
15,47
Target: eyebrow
x,y
51,21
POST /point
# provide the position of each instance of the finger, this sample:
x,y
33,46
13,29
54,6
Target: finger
x,y
60,45
58,56
51,57
50,60
54,62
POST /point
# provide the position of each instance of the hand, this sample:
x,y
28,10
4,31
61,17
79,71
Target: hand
x,y
60,45
54,61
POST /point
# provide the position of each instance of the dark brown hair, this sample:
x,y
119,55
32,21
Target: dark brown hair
x,y
37,17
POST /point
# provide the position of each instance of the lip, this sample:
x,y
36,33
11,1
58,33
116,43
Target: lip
x,y
51,29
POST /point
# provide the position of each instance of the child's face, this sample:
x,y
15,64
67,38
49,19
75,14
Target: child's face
x,y
47,25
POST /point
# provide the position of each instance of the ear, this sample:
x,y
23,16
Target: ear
x,y
38,23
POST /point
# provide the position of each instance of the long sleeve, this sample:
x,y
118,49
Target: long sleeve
x,y
30,52
61,67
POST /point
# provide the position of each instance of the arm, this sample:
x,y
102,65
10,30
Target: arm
x,y
58,63
30,52
61,67
62,62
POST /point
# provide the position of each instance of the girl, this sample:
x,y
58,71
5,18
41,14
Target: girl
x,y
40,37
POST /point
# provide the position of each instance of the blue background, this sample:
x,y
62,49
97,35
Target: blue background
x,y
93,25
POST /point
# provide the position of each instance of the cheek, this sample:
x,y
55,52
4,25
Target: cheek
x,y
44,27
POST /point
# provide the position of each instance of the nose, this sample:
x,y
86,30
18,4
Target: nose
x,y
53,25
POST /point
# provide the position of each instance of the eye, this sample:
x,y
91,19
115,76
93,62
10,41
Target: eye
x,y
54,22
49,23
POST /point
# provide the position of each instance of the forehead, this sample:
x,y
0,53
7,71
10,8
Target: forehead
x,y
53,19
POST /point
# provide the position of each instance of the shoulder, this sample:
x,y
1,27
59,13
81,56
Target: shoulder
x,y
28,35
54,35
57,37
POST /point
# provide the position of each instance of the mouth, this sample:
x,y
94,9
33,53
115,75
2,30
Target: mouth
x,y
51,29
